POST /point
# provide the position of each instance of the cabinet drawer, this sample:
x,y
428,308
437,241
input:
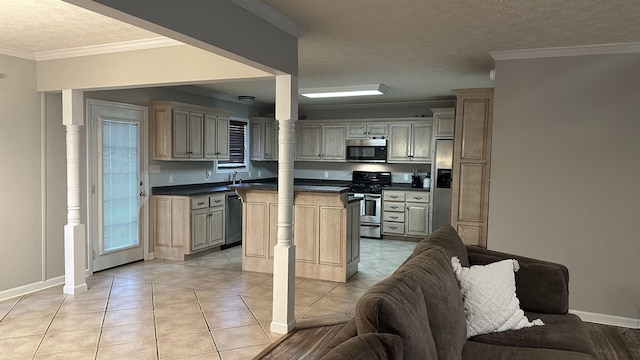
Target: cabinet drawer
x,y
393,195
199,203
393,216
418,196
393,228
393,206
216,200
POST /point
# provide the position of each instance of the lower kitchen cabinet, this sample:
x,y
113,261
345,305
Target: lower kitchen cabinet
x,y
405,212
183,225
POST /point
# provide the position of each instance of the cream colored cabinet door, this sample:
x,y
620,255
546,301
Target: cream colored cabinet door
x,y
216,137
187,134
309,143
421,142
199,231
171,226
443,122
357,131
417,219
180,134
399,145
377,131
216,226
361,131
264,139
471,165
334,143
271,140
256,134
409,142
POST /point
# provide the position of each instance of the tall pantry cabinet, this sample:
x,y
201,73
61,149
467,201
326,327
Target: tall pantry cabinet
x,y
471,164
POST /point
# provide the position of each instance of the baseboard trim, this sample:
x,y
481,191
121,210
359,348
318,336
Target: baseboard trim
x,y
607,319
29,288
36,286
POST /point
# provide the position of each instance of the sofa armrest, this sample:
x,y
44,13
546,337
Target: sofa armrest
x,y
541,286
371,346
347,332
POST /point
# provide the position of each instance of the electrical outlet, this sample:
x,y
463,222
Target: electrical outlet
x,y
249,173
207,174
259,173
326,174
170,179
406,176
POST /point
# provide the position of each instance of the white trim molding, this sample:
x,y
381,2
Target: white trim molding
x,y
607,319
599,49
19,53
30,288
123,46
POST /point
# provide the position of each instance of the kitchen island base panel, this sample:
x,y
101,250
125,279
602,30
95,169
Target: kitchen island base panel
x,y
325,233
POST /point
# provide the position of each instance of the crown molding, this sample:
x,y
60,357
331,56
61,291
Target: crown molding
x,y
271,15
19,53
107,48
599,49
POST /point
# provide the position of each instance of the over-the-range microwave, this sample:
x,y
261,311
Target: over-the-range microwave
x,y
367,150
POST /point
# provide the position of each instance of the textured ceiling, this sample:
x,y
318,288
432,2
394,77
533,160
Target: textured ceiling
x,y
421,49
46,25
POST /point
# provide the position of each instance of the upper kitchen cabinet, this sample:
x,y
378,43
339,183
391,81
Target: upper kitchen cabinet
x,y
443,121
410,142
363,131
321,142
264,139
216,137
188,132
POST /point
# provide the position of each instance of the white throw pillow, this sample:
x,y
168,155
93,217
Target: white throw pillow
x,y
489,296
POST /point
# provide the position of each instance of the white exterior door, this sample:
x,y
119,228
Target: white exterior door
x,y
118,187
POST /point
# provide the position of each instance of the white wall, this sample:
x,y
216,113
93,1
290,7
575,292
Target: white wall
x,y
565,173
21,236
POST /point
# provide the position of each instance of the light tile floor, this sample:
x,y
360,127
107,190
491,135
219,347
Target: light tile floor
x,y
205,308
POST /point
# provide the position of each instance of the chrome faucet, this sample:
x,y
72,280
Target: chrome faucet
x,y
233,177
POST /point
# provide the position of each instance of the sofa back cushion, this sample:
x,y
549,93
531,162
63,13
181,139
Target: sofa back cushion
x,y
442,298
541,286
396,305
448,239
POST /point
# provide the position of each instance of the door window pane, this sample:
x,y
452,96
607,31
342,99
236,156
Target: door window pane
x,y
120,184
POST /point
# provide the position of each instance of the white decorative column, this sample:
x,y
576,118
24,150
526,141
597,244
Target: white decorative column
x,y
284,258
75,246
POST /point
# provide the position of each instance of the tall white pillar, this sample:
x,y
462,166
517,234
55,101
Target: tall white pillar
x,y
284,259
75,246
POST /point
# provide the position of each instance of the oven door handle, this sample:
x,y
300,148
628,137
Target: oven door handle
x,y
370,225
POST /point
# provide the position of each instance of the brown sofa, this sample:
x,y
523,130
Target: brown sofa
x,y
417,312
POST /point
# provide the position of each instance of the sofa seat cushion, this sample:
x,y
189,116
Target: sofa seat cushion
x,y
372,346
561,332
474,350
448,239
396,305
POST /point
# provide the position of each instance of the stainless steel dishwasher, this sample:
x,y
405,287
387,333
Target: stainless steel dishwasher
x,y
233,220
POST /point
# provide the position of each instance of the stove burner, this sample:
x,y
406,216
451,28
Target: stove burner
x,y
370,182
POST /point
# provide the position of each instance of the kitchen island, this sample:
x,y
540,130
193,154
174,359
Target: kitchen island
x,y
326,230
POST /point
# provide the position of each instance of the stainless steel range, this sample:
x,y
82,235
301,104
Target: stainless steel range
x,y
368,185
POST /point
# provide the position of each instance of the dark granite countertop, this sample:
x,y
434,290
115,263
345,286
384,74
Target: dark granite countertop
x,y
404,187
190,190
308,188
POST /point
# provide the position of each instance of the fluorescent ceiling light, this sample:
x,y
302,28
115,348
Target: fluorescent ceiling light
x,y
344,91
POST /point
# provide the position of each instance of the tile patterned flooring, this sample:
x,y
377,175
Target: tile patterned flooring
x,y
204,308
